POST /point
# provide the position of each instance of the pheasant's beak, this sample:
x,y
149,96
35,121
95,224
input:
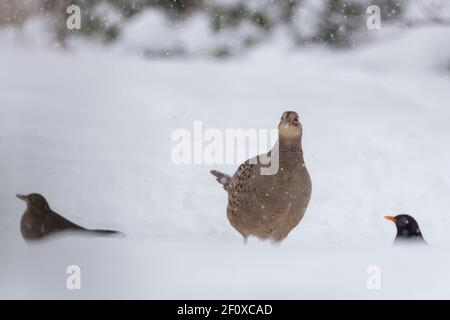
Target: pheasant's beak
x,y
284,122
390,218
21,197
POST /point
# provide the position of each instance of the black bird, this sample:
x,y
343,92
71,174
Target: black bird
x,y
40,221
408,230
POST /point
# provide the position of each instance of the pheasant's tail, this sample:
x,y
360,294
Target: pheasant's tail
x,y
222,178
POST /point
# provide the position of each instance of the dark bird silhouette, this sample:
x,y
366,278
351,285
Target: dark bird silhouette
x,y
408,230
40,221
269,205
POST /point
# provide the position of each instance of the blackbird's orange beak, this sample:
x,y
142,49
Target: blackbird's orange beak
x,y
390,218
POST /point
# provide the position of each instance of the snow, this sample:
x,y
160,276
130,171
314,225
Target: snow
x,y
34,33
110,15
307,18
152,33
91,131
435,9
149,29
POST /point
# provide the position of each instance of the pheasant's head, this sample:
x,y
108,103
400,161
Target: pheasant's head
x,y
290,127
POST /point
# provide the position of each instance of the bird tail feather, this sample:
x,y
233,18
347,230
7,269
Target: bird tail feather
x,y
106,233
222,178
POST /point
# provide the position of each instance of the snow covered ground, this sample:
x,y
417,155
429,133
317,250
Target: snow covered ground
x,y
91,131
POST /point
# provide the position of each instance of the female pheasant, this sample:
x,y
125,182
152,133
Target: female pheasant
x,y
268,205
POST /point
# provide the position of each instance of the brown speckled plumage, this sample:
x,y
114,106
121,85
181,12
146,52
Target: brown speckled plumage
x,y
40,221
270,206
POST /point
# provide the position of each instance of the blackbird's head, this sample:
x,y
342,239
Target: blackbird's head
x,y
406,225
35,201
